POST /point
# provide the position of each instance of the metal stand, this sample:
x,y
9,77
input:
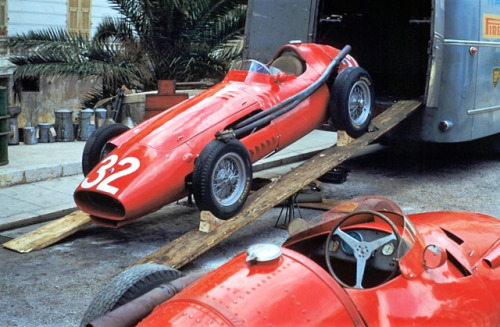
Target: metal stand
x,y
289,206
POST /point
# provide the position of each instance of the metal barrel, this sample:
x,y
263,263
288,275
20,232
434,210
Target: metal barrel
x,y
4,128
65,131
29,135
45,131
100,117
85,127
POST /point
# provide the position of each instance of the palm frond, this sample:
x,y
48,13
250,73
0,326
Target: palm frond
x,y
150,40
113,29
229,50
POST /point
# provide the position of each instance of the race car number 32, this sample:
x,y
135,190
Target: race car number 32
x,y
103,182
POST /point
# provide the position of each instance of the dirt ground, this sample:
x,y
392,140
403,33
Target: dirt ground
x,y
53,287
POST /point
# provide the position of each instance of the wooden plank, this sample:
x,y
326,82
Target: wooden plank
x,y
192,244
325,204
49,234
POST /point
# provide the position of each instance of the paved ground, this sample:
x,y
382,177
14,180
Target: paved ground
x,y
52,287
38,183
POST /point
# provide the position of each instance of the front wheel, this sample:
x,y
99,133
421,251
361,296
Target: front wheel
x,y
95,148
352,101
222,178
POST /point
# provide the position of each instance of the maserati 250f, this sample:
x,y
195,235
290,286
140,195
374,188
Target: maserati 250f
x,y
206,145
363,263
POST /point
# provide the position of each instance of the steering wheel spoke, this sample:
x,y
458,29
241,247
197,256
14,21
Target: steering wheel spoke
x,y
360,272
351,241
375,244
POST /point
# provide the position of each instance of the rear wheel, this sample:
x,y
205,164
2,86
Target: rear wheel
x,y
222,178
127,286
95,148
352,101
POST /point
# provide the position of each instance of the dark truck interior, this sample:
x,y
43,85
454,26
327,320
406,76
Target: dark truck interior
x,y
389,38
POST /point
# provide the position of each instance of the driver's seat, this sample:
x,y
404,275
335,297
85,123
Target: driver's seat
x,y
289,65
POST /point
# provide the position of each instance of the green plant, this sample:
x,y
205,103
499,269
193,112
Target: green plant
x,y
151,40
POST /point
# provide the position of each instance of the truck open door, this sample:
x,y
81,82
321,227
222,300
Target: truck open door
x,y
436,48
272,23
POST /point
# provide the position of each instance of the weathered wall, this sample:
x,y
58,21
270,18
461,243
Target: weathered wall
x,y
55,93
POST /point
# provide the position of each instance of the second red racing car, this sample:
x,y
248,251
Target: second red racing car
x,y
363,263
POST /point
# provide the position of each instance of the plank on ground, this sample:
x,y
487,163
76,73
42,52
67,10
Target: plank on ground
x,y
325,204
49,233
194,243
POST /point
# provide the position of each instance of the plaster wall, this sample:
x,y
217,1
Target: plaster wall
x,y
55,94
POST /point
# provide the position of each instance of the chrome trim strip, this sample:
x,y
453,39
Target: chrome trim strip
x,y
472,43
482,110
439,35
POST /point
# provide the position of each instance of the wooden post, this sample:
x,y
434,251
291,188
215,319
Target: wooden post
x,y
208,221
343,139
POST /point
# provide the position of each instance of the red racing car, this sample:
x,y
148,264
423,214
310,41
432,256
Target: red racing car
x,y
206,145
363,263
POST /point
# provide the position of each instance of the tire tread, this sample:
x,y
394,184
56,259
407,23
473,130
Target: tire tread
x,y
96,142
126,286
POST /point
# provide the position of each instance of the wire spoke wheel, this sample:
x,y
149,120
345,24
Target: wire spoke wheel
x,y
359,102
228,179
352,101
222,178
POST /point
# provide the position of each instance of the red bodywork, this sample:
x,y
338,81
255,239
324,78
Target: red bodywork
x,y
296,290
153,162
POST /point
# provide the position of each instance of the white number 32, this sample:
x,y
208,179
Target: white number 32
x,y
103,182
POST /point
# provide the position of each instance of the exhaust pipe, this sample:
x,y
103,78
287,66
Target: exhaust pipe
x,y
130,314
270,114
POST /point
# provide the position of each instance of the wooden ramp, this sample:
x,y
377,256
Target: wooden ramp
x,y
192,244
50,233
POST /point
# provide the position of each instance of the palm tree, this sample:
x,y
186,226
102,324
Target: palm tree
x,y
151,40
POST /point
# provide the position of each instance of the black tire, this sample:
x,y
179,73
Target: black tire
x,y
225,202
127,286
93,150
352,101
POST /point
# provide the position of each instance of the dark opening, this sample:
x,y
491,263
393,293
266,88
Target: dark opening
x,y
458,265
28,84
452,236
389,38
100,203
